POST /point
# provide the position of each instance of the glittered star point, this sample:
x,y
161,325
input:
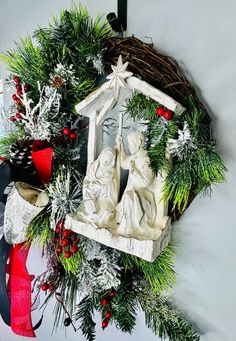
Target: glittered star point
x,y
118,76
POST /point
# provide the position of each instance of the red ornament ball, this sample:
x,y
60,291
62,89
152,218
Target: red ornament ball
x,y
26,88
14,97
19,92
59,249
66,233
168,115
108,315
104,324
18,116
12,118
73,136
17,79
105,302
160,111
45,286
65,242
66,131
112,293
74,249
67,254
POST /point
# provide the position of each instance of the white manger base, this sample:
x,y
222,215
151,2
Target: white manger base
x,y
145,249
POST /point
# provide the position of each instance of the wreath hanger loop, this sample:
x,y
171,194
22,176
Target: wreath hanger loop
x,y
118,22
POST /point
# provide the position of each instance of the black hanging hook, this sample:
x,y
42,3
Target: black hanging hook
x,y
119,23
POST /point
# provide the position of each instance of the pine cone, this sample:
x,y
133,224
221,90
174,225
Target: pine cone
x,y
57,81
21,162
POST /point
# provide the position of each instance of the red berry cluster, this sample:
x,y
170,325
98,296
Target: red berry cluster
x,y
48,286
17,98
68,133
66,241
167,114
106,302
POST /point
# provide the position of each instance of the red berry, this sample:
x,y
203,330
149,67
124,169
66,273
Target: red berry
x,y
73,136
104,324
18,101
76,241
59,249
51,287
19,92
108,315
57,240
66,233
18,87
160,111
57,230
12,119
26,88
67,254
105,302
66,131
16,79
14,97
60,225
112,293
18,115
168,115
65,242
45,286
74,249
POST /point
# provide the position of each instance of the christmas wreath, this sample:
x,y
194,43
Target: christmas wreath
x,y
44,152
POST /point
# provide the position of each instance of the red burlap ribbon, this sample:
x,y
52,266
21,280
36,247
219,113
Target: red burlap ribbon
x,y
20,292
42,160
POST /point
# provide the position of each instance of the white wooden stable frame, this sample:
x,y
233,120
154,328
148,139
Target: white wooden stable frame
x,y
96,106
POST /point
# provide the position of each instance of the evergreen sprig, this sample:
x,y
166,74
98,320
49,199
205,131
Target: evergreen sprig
x,y
159,274
164,319
195,174
39,229
72,39
196,171
84,314
124,309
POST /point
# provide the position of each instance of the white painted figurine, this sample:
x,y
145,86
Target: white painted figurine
x,y
137,210
100,190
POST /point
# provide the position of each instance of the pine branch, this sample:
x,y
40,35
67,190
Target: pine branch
x,y
84,314
124,310
39,229
164,320
196,173
159,274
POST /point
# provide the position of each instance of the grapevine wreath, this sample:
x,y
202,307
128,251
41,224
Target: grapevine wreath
x,y
55,77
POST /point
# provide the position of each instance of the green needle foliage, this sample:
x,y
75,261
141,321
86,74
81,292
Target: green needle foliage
x,y
197,170
194,174
84,314
164,320
124,309
159,274
39,229
72,39
8,140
